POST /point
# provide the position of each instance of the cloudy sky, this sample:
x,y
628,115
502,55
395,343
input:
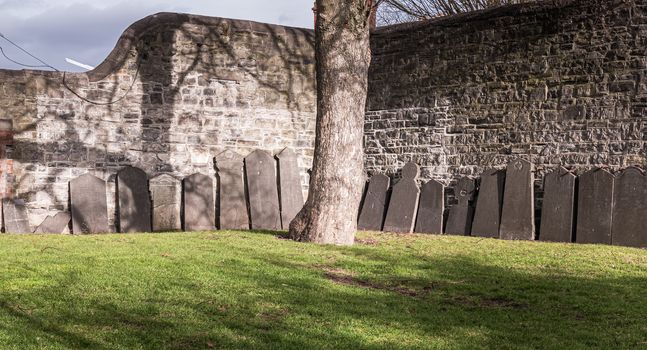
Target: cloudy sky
x,y
87,30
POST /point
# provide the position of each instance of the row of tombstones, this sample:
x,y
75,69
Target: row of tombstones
x,y
165,203
596,207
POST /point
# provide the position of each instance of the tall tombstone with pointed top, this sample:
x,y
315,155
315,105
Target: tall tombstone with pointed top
x,y
166,196
431,208
629,223
263,194
291,193
54,224
487,216
89,206
371,216
199,205
134,200
403,205
460,217
518,215
233,206
15,215
558,209
594,207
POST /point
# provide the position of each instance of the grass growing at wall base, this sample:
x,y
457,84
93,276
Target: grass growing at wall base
x,y
246,290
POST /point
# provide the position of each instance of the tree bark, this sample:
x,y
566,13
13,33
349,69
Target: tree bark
x,y
343,55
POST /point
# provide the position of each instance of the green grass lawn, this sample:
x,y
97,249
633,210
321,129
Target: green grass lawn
x,y
246,290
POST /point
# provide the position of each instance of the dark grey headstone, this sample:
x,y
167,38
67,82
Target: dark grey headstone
x,y
629,223
233,206
518,215
199,205
371,216
291,193
431,208
594,207
403,204
558,208
460,217
487,215
56,224
263,194
88,205
134,200
16,219
166,196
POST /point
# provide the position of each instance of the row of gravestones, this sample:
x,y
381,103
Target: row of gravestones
x,y
163,203
596,207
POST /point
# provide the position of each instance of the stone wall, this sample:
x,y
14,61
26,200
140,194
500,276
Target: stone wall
x,y
555,83
176,91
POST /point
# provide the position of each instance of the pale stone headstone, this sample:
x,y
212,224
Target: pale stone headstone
x,y
89,205
518,215
166,197
460,217
487,215
55,224
403,204
16,219
134,200
264,208
233,205
371,216
291,193
629,223
558,208
199,205
594,207
431,208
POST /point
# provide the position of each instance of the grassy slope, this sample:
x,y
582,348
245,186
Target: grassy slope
x,y
253,290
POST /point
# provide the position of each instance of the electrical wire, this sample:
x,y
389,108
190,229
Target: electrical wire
x,y
21,64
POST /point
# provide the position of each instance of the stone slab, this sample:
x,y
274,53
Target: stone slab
x,y
232,206
629,223
199,205
16,218
56,224
290,191
518,214
264,208
134,201
594,207
403,205
89,205
431,208
371,217
558,208
166,198
487,215
459,221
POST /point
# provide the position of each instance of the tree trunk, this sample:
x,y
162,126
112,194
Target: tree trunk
x,y
343,56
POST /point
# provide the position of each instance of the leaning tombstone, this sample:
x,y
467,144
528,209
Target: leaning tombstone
x,y
54,224
233,206
431,208
134,200
629,223
264,209
291,193
198,203
487,216
166,197
558,208
371,216
460,217
594,207
518,215
88,205
403,205
16,219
